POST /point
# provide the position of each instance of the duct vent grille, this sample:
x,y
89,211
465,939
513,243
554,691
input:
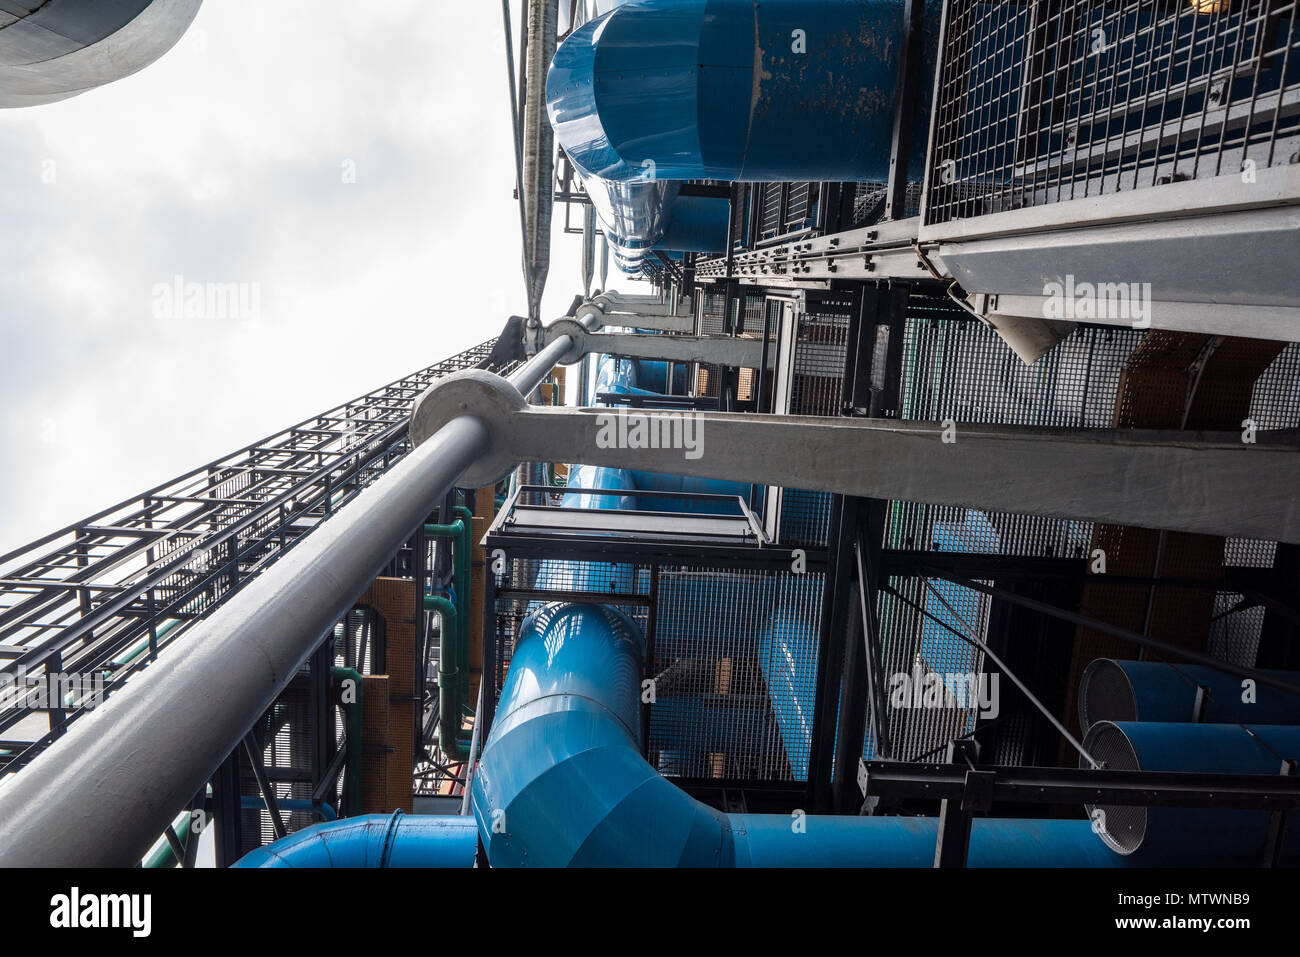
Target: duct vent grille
x,y
1123,828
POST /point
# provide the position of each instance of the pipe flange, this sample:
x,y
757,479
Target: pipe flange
x,y
590,311
491,399
576,332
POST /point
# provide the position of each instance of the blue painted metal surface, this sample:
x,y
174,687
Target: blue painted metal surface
x,y
1204,836
375,840
1160,691
732,90
561,781
326,812
659,91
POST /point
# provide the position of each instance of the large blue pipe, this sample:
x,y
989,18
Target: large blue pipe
x,y
659,91
1168,836
733,90
562,782
1114,690
374,840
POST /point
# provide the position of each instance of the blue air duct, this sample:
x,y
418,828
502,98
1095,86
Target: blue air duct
x,y
1171,836
654,92
1112,690
562,782
374,840
666,90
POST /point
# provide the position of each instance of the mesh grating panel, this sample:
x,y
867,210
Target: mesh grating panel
x,y
1234,632
1123,828
1105,694
731,687
1060,99
914,647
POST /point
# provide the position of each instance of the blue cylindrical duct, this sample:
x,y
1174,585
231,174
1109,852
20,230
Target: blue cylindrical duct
x,y
640,217
326,812
659,91
562,782
1168,836
697,224
374,840
663,90
1113,690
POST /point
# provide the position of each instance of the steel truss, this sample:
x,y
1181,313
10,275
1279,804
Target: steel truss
x,y
103,596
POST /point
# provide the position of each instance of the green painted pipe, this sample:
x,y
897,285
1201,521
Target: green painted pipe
x,y
165,857
355,753
453,663
449,690
463,596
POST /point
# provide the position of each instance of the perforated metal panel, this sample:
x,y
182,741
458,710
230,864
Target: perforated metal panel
x,y
1053,100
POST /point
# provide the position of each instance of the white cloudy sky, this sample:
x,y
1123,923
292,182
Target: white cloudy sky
x,y
223,163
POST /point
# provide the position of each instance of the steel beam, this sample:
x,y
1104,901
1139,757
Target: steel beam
x,y
1016,785
714,350
1182,481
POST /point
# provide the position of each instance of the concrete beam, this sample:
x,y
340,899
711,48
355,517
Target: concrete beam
x,y
1210,483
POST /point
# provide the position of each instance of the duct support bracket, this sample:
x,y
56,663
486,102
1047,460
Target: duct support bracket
x,y
715,350
1207,483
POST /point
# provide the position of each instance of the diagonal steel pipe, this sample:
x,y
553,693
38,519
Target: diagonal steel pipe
x,y
102,793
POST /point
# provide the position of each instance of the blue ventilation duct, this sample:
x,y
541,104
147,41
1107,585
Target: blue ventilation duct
x,y
1172,836
1113,690
669,90
374,840
561,781
655,92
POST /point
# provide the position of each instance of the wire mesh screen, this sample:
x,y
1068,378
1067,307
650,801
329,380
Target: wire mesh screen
x,y
529,583
1275,404
816,389
933,678
961,371
735,659
868,203
1235,629
1051,100
958,370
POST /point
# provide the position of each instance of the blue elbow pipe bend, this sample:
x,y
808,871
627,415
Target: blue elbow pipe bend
x,y
375,840
562,782
656,92
667,90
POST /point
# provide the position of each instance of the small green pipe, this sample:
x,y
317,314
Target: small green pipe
x,y
463,595
165,857
449,672
453,658
355,753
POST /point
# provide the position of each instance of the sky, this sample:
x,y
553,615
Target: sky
x,y
349,166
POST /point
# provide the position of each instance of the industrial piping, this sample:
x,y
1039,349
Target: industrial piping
x,y
151,746
375,840
1113,690
741,91
562,781
1179,836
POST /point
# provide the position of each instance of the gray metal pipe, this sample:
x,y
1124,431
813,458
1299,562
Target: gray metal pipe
x,y
101,794
539,149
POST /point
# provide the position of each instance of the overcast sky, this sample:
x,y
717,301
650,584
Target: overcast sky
x,y
228,162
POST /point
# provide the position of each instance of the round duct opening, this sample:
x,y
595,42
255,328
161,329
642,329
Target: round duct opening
x,y
1122,828
1105,694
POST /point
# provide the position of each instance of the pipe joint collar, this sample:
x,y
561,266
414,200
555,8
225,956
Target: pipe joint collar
x,y
484,396
577,333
